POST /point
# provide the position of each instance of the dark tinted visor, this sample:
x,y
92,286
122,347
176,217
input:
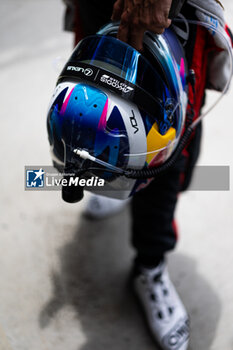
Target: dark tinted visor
x,y
106,61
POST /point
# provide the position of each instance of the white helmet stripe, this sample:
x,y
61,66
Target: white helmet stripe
x,y
135,130
58,90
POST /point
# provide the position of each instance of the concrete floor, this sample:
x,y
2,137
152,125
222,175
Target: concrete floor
x,y
60,288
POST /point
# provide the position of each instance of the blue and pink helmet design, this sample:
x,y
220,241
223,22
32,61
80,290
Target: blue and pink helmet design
x,y
123,107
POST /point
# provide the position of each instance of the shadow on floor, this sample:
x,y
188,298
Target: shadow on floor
x,y
93,279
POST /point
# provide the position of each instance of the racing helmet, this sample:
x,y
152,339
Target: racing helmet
x,y
115,109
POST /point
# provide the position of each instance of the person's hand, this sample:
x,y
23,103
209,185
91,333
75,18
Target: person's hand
x,y
137,16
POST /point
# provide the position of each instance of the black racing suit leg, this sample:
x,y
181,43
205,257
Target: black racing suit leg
x,y
154,230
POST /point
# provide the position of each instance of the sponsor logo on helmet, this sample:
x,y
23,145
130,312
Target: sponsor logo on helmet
x,y
86,71
178,335
115,83
133,122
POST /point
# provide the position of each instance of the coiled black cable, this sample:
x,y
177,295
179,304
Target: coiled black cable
x,y
157,171
189,128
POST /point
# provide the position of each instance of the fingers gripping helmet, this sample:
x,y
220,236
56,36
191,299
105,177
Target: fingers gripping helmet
x,y
115,109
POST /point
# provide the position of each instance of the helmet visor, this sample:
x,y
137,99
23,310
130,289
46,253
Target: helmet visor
x,y
106,61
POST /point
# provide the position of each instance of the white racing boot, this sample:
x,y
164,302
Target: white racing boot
x,y
165,313
99,207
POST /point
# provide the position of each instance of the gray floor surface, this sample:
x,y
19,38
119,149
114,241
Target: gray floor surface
x,y
64,278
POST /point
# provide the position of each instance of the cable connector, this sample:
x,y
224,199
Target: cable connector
x,y
84,154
